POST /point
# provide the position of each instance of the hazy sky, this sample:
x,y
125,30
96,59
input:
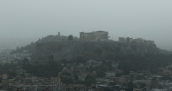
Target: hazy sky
x,y
148,19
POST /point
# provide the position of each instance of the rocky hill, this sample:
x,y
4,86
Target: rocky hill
x,y
63,49
32,47
70,50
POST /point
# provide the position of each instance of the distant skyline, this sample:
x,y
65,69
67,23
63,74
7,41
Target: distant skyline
x,y
147,19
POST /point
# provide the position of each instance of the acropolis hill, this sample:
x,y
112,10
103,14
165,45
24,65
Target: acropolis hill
x,y
93,45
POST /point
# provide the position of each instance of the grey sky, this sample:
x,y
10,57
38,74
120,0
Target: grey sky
x,y
148,19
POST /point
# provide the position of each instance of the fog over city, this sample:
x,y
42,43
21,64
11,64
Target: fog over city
x,y
85,45
27,21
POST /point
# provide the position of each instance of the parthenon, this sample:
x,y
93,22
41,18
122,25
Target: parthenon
x,y
95,35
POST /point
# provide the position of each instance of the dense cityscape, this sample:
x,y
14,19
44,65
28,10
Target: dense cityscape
x,y
140,71
85,45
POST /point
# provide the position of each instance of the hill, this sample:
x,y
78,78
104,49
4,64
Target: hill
x,y
130,55
63,49
91,49
32,46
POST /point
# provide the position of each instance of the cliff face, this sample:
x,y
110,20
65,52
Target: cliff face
x,y
69,50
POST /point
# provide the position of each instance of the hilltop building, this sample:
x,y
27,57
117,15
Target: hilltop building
x,y
138,40
95,35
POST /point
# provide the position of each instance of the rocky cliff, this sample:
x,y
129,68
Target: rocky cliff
x,y
70,50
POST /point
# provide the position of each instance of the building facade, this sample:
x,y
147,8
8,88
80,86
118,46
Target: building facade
x,y
97,35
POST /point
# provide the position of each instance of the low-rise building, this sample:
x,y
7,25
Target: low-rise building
x,y
110,74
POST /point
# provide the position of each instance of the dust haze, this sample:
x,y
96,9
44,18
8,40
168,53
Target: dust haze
x,y
30,20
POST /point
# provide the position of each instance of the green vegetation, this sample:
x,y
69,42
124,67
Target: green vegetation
x,y
8,69
89,80
142,85
67,80
140,77
48,39
119,74
166,77
131,84
145,63
100,74
113,83
43,70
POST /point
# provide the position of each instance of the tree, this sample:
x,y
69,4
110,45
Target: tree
x,y
67,80
100,74
12,73
89,80
51,60
0,79
140,77
131,84
25,61
98,51
67,74
81,59
142,85
76,77
70,37
119,74
113,83
166,77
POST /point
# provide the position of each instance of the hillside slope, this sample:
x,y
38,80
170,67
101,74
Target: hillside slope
x,y
63,49
70,50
